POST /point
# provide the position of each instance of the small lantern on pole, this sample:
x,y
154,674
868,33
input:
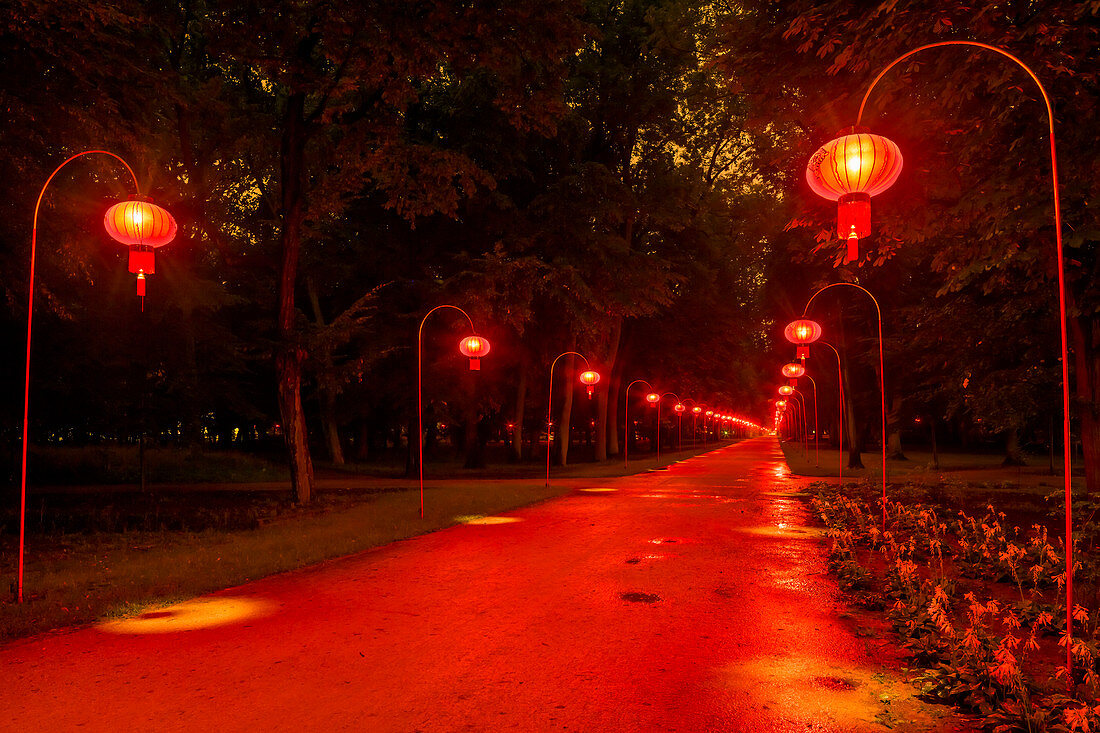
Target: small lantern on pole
x,y
850,169
143,227
474,347
802,333
589,379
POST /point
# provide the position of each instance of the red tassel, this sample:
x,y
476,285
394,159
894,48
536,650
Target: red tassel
x,y
853,246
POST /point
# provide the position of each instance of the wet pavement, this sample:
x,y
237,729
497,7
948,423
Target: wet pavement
x,y
689,599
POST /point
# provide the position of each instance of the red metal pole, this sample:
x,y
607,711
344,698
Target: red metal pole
x,y
840,414
420,390
626,420
27,367
881,377
817,432
1059,248
549,407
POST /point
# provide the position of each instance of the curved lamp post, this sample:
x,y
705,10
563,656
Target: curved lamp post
x,y
840,413
473,347
1059,251
654,399
588,378
680,412
881,374
696,409
817,439
137,223
1062,301
626,419
680,409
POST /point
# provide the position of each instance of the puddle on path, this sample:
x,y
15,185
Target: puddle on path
x,y
806,690
635,597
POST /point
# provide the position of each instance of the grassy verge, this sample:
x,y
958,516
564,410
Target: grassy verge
x,y
75,579
976,468
975,597
78,577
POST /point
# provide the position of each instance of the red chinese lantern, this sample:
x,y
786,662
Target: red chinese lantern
x,y
679,408
802,333
653,398
697,409
589,380
710,413
143,227
474,347
786,389
794,370
850,170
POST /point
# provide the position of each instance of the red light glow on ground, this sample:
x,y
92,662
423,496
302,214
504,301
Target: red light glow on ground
x,y
197,613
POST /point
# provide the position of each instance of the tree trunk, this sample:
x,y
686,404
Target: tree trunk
x,y
893,426
412,449
566,412
517,415
602,403
935,448
327,393
472,446
1013,455
852,433
1085,333
362,444
613,390
288,361
192,410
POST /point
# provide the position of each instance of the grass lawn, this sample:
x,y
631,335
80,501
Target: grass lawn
x,y
76,577
975,468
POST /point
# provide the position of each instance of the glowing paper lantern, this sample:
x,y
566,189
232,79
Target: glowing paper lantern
x,y
589,380
679,407
802,333
850,170
653,398
696,410
474,347
786,389
794,370
143,227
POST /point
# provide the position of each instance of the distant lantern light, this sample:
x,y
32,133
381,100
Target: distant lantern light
x,y
653,398
850,169
679,407
474,347
143,227
710,413
802,333
696,410
589,379
786,390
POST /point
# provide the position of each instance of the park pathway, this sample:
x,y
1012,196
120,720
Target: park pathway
x,y
687,599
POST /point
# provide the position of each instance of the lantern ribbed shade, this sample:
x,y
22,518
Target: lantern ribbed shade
x,y
802,331
140,222
858,163
793,370
474,346
590,377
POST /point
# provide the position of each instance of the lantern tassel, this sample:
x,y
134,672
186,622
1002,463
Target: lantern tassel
x,y
141,289
475,364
